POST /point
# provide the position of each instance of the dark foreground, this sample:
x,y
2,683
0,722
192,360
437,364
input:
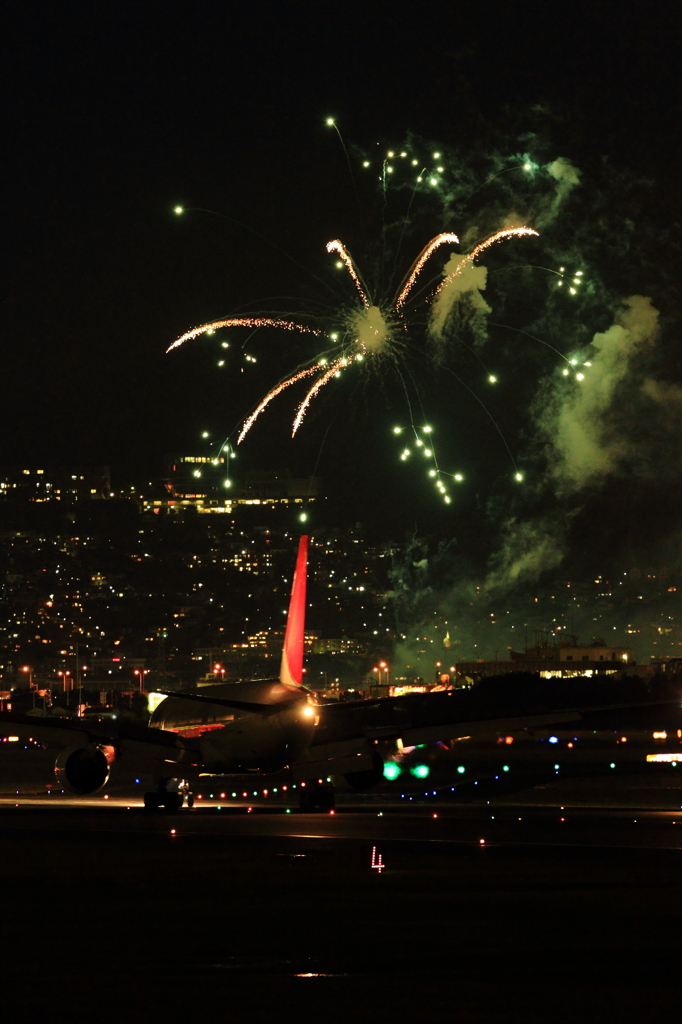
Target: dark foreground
x,y
109,915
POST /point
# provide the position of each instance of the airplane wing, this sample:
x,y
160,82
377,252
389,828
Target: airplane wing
x,y
134,746
346,737
347,733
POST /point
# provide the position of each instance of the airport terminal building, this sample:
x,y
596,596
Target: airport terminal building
x,y
561,659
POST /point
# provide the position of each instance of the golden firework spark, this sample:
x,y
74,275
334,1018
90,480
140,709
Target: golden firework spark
x,y
242,321
320,382
421,259
371,326
485,244
248,423
337,246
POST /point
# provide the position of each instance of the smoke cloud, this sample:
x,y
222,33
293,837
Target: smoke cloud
x,y
529,548
587,438
667,395
460,302
567,177
585,443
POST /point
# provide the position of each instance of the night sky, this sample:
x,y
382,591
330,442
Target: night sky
x,y
117,113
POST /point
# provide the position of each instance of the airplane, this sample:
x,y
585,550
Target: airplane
x,y
257,727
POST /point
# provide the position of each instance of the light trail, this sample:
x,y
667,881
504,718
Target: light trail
x,y
336,245
421,259
319,383
242,321
485,244
248,423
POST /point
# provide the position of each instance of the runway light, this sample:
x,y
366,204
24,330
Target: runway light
x,y
553,739
420,771
392,770
461,769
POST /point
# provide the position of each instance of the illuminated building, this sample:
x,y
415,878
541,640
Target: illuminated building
x,y
55,483
202,482
562,659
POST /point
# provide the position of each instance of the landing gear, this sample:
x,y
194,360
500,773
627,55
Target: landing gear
x,y
317,797
169,793
151,801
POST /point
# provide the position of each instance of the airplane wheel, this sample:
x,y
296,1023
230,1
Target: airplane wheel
x,y
190,799
172,801
317,799
326,800
151,801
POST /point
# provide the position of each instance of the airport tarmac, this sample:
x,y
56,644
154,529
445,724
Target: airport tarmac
x,y
521,908
438,823
476,914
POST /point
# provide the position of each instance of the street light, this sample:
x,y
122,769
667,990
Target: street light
x,y
27,668
217,668
140,673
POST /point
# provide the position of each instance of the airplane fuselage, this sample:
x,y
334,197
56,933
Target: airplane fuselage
x,y
231,738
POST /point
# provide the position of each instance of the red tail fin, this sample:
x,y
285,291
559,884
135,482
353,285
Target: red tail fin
x,y
291,672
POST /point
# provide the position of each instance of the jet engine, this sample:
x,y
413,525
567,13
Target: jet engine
x,y
84,770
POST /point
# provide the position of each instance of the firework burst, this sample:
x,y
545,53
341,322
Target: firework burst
x,y
369,330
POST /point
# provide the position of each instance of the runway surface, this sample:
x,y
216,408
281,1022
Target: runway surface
x,y
558,902
437,823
